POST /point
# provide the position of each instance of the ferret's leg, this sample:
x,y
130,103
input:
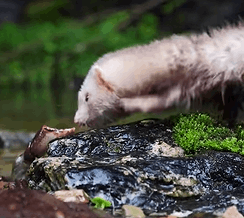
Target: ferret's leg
x,y
144,104
152,103
233,99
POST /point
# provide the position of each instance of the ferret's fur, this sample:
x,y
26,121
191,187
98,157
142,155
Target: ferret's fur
x,y
178,73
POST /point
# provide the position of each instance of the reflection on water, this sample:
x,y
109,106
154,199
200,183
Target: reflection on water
x,y
29,110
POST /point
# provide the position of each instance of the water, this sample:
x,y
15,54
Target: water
x,y
22,110
29,110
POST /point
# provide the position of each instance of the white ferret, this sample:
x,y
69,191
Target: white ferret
x,y
180,73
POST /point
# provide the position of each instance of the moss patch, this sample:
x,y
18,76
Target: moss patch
x,y
198,132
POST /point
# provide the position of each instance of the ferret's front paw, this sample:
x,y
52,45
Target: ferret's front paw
x,y
128,105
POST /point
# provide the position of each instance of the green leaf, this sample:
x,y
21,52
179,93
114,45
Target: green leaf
x,y
100,203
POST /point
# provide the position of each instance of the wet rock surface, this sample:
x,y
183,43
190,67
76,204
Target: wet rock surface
x,y
116,140
127,165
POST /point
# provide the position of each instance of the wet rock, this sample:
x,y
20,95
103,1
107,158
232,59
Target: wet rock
x,y
8,184
3,185
20,167
15,140
124,166
232,212
31,203
37,148
76,195
146,136
205,183
132,211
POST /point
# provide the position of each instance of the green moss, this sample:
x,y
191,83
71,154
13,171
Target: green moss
x,y
198,132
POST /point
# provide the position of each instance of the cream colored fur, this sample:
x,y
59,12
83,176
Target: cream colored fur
x,y
180,72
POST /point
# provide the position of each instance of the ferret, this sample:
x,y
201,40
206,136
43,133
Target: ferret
x,y
198,72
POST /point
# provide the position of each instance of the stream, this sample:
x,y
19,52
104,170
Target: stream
x,y
28,110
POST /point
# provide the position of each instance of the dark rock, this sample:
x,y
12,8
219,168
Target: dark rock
x,y
115,140
126,165
205,183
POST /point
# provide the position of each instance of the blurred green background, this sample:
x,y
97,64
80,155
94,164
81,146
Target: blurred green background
x,y
47,47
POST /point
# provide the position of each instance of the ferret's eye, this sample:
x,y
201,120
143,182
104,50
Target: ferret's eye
x,y
87,97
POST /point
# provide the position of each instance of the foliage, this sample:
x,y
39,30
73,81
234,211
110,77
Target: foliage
x,y
46,10
197,132
34,53
100,203
170,6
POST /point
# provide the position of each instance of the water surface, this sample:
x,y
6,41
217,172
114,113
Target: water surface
x,y
29,110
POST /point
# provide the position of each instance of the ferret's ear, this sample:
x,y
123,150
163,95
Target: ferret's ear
x,y
101,81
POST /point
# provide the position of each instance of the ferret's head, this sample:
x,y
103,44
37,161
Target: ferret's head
x,y
97,102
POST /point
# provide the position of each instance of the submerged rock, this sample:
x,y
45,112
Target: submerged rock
x,y
126,165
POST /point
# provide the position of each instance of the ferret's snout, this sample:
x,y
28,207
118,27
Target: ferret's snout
x,y
78,121
76,118
80,124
